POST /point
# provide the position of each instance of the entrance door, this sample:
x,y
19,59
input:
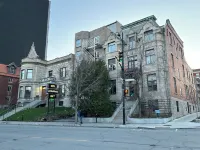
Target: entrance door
x,y
43,93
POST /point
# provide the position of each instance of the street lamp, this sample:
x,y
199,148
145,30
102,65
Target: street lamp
x,y
123,77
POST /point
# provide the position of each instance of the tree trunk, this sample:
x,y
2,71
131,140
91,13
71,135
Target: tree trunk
x,y
76,110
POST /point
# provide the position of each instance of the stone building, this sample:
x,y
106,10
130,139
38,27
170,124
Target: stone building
x,y
9,82
196,73
37,73
167,83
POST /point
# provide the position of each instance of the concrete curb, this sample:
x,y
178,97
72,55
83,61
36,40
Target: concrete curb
x,y
95,126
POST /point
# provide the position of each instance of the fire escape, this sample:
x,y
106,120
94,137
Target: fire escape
x,y
91,47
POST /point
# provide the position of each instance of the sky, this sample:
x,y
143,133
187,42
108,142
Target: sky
x,y
68,17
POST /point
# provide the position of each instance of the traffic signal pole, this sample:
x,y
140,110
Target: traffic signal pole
x,y
123,77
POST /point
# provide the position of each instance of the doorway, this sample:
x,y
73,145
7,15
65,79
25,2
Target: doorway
x,y
44,94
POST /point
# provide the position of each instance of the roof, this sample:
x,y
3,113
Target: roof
x,y
152,17
196,70
4,71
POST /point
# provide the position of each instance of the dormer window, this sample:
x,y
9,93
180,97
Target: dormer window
x,y
11,70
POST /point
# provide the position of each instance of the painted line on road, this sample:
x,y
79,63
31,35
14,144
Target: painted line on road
x,y
65,139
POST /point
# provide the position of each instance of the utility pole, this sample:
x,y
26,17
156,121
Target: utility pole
x,y
121,60
123,77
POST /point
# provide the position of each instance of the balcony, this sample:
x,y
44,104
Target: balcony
x,y
132,73
90,43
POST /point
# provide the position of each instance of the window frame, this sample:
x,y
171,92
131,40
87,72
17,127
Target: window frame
x,y
153,86
149,36
9,89
50,73
113,87
77,43
112,44
132,61
22,76
21,92
151,56
132,42
10,80
172,59
63,72
28,73
112,64
27,90
177,106
175,85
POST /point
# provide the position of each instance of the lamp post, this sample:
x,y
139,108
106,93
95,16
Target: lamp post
x,y
123,77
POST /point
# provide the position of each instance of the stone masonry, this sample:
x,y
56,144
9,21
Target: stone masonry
x,y
152,47
41,77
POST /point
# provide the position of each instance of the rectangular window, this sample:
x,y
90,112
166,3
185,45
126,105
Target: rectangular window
x,y
197,75
186,90
10,80
60,103
21,89
172,57
63,72
181,91
8,99
153,105
22,74
150,56
178,74
113,87
97,40
62,90
50,73
29,74
177,50
78,43
170,38
27,94
183,71
111,64
148,36
177,106
112,47
181,50
175,87
152,82
11,70
9,88
131,42
132,61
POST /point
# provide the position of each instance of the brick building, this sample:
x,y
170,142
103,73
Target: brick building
x,y
166,83
9,82
37,73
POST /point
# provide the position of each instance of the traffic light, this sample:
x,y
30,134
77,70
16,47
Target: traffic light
x,y
125,92
120,56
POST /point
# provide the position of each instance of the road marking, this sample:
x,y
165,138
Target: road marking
x,y
65,139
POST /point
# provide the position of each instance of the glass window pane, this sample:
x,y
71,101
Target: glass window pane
x,y
78,43
148,59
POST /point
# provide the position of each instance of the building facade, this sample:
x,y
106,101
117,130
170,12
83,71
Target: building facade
x,y
166,82
37,73
22,22
9,81
196,73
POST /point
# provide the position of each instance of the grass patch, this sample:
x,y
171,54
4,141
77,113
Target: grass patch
x,y
36,114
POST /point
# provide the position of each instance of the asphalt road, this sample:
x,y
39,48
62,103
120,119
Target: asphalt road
x,y
21,137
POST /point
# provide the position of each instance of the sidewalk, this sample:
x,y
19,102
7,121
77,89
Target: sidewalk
x,y
181,123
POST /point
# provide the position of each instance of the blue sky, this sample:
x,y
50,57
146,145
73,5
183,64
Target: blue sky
x,y
70,16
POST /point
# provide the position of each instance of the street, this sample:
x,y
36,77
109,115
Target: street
x,y
23,137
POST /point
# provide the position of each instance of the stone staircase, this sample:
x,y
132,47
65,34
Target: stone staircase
x,y
32,104
128,106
